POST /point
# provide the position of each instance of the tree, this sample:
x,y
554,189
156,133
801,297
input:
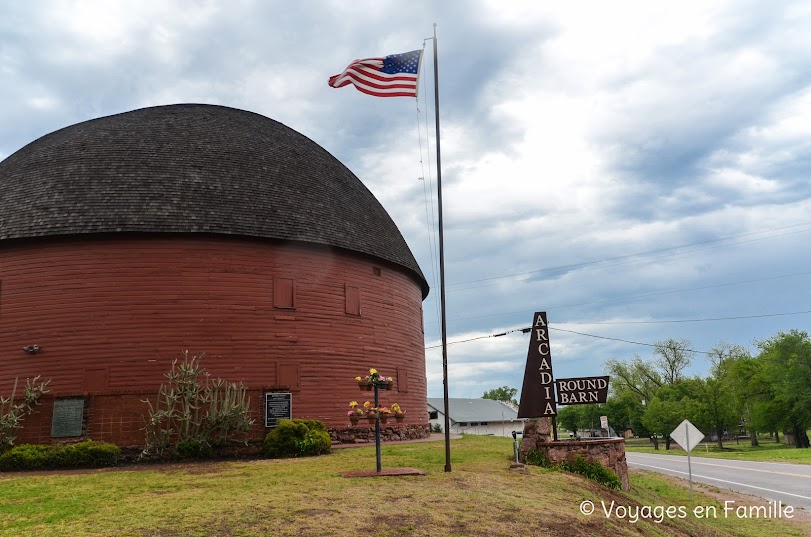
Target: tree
x,y
623,410
638,380
672,405
644,379
731,388
577,417
505,393
636,376
720,409
716,410
673,357
787,369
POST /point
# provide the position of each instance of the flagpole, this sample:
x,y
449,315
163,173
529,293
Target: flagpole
x,y
441,265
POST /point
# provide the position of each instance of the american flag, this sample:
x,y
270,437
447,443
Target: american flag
x,y
393,76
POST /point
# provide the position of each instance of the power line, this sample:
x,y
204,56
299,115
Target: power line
x,y
617,339
527,329
704,320
586,265
645,295
479,337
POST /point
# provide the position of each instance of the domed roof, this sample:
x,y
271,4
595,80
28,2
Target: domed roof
x,y
193,169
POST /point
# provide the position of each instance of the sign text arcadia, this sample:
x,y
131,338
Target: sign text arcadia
x,y
538,390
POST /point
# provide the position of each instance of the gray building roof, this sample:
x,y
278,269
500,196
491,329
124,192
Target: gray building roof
x,y
193,168
474,410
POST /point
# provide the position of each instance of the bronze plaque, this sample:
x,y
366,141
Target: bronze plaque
x,y
538,390
68,418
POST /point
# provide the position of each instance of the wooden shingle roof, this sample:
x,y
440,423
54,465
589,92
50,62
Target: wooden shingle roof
x,y
193,169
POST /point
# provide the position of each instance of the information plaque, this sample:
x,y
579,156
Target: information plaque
x,y
68,417
278,406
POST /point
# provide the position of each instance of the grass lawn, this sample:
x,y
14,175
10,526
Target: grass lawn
x,y
308,497
767,451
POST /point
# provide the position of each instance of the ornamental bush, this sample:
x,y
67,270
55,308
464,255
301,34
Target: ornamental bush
x,y
194,414
25,457
297,438
535,457
37,457
594,471
12,413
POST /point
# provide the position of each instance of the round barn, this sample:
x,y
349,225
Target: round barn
x,y
126,239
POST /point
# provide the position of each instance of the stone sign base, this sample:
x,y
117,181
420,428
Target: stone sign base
x,y
609,452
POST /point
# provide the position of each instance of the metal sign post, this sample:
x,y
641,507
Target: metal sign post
x,y
687,436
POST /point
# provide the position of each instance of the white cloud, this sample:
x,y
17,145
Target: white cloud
x,y
574,135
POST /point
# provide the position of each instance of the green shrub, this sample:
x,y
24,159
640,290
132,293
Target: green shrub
x,y
90,453
297,438
25,457
191,449
315,443
594,471
536,457
83,454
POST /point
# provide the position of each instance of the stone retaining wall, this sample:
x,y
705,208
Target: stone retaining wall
x,y
388,433
609,452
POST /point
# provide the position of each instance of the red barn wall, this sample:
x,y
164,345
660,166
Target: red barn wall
x,y
110,314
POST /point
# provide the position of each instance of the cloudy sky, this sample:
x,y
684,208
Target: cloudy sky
x,y
639,170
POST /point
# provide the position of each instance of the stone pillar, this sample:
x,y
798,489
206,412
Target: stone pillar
x,y
536,433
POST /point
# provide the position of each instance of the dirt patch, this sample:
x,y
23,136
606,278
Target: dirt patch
x,y
385,472
313,512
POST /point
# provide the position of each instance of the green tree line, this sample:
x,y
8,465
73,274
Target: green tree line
x,y
768,393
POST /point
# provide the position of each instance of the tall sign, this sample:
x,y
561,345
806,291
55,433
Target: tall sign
x,y
538,391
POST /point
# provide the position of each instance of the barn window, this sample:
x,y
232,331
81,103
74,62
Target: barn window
x,y
284,293
402,380
433,415
376,271
95,380
352,300
288,375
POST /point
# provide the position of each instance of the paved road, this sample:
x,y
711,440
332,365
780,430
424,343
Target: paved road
x,y
789,483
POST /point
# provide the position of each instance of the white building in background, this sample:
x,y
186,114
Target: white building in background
x,y
475,416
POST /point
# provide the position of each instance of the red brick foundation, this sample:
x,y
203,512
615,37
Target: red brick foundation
x,y
119,418
388,433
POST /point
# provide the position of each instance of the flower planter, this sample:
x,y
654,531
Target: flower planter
x,y
384,418
371,417
387,385
399,417
365,386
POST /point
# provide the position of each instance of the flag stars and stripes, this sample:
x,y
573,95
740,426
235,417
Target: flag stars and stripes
x,y
395,75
